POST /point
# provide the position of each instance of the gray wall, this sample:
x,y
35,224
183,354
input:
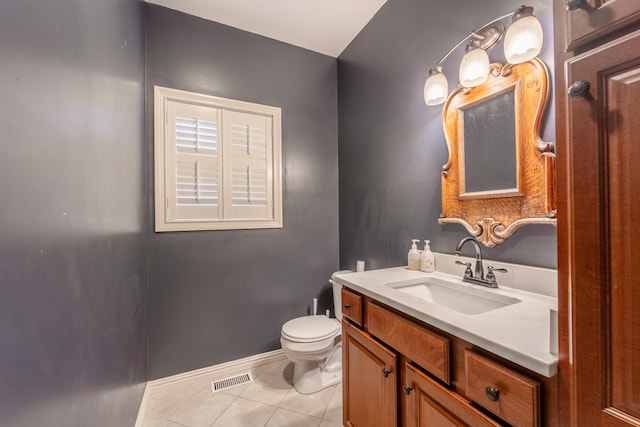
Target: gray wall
x,y
392,146
72,341
217,296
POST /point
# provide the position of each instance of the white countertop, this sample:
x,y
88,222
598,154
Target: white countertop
x,y
519,332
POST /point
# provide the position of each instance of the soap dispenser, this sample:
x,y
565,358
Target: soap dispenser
x,y
427,260
414,256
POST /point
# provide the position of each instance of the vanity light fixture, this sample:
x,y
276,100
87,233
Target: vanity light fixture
x,y
523,41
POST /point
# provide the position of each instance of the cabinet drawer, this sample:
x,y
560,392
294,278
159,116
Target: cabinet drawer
x,y
430,404
352,306
427,349
508,394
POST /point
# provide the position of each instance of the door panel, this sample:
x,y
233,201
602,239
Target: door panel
x,y
370,381
604,208
623,165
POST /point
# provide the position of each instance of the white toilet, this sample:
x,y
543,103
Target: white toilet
x,y
314,345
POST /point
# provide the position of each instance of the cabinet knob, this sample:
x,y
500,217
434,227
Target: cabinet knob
x,y
575,4
407,389
493,393
347,306
579,89
386,372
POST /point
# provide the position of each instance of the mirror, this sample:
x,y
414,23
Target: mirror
x,y
499,175
489,140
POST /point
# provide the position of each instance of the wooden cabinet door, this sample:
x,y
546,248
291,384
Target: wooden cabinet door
x,y
599,18
603,207
370,381
428,404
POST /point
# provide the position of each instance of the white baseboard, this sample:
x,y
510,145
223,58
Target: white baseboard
x,y
221,370
143,406
210,373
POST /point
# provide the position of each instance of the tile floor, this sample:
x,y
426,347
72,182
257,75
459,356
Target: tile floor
x,y
269,401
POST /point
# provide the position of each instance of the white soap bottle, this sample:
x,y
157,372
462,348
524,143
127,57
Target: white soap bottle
x,y
413,257
427,260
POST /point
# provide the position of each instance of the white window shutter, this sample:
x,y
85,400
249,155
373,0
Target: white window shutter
x,y
248,178
217,163
193,166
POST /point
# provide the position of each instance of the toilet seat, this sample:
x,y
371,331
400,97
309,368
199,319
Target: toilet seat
x,y
310,329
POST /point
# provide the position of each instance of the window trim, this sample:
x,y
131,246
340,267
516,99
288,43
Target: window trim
x,y
162,95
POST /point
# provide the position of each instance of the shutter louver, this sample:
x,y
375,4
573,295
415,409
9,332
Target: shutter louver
x,y
198,135
196,184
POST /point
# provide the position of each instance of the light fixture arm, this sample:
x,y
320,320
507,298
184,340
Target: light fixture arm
x,y
477,34
446,55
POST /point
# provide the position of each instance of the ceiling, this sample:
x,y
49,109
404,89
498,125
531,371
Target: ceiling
x,y
324,26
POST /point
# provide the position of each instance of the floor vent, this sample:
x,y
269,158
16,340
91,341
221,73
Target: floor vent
x,y
226,383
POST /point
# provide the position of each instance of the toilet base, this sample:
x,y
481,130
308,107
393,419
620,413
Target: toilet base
x,y
311,376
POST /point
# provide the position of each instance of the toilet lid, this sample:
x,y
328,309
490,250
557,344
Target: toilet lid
x,y
310,328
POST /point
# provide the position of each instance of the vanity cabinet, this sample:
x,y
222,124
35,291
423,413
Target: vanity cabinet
x,y
598,157
399,371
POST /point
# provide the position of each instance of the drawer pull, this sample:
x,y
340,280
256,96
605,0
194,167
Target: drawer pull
x,y
347,306
385,372
579,89
493,393
407,389
575,4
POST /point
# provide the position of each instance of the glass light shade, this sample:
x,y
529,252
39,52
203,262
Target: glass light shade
x,y
474,68
523,40
436,88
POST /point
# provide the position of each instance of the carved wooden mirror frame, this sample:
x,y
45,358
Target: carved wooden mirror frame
x,y
493,216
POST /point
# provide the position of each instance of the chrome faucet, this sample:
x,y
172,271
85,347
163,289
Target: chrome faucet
x,y
477,277
479,270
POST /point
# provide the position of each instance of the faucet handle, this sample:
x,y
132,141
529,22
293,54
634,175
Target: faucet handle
x,y
491,278
467,272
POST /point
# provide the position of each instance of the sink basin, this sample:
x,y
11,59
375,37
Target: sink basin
x,y
463,299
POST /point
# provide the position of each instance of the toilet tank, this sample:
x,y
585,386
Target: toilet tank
x,y
337,295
